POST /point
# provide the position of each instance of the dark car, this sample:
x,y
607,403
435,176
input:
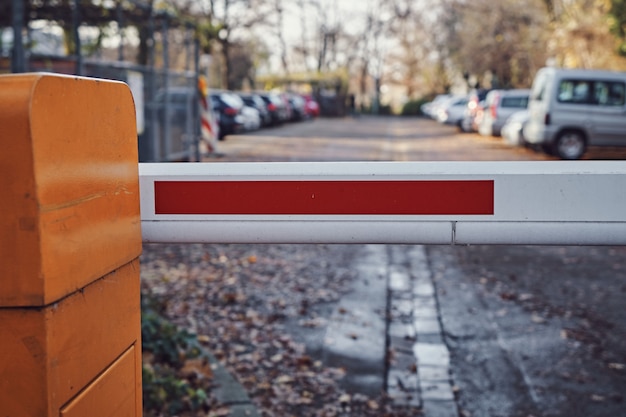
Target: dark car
x,y
255,101
298,107
228,107
276,106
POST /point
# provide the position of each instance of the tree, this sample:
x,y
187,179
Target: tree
x,y
234,20
495,43
581,37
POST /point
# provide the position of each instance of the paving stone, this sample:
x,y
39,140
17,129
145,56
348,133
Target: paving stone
x,y
439,409
421,277
430,338
433,373
426,325
403,330
434,390
243,410
227,389
424,289
399,281
402,388
402,379
402,308
403,361
405,399
425,312
431,354
401,337
424,301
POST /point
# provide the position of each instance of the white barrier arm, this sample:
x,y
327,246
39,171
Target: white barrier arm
x,y
555,202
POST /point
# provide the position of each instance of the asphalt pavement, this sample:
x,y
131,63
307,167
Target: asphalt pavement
x,y
385,332
487,331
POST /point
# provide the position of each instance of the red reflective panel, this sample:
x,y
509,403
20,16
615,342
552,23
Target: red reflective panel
x,y
437,197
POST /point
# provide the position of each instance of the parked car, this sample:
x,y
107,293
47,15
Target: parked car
x,y
298,107
229,107
452,111
276,106
429,109
499,105
255,101
513,129
573,109
251,118
312,106
475,110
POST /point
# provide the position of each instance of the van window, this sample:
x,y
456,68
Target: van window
x,y
603,93
574,91
609,93
515,102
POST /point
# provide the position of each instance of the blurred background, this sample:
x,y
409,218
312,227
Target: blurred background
x,y
371,56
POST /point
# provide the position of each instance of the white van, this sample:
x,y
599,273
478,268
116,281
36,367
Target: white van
x,y
572,109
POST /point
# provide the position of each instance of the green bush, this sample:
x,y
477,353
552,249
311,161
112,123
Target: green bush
x,y
166,350
413,107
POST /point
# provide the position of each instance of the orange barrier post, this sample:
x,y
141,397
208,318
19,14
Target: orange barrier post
x,y
70,240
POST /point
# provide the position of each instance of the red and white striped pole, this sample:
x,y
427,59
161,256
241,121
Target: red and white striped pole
x,y
560,202
208,126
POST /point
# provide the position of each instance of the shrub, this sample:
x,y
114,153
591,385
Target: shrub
x,y
176,375
413,107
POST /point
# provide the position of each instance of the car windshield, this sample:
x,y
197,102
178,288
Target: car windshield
x,y
231,100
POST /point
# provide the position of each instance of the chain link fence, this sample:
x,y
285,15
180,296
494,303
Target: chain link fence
x,y
167,104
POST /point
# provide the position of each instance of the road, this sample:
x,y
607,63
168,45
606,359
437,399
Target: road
x,y
379,139
473,331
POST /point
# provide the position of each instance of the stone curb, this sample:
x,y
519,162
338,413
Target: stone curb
x,y
419,370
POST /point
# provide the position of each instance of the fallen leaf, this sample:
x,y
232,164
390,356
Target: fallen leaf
x,y
345,399
198,367
507,296
284,379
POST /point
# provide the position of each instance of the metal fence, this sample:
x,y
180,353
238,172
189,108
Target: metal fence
x,y
167,104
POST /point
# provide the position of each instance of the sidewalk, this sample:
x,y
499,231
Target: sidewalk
x,y
418,374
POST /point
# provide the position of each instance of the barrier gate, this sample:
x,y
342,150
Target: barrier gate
x,y
74,210
540,203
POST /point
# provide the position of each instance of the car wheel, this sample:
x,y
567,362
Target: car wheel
x,y
570,145
465,126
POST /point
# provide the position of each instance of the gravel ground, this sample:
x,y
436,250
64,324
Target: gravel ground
x,y
242,301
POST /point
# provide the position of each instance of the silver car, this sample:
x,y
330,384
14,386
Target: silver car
x,y
499,106
512,131
452,111
573,109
